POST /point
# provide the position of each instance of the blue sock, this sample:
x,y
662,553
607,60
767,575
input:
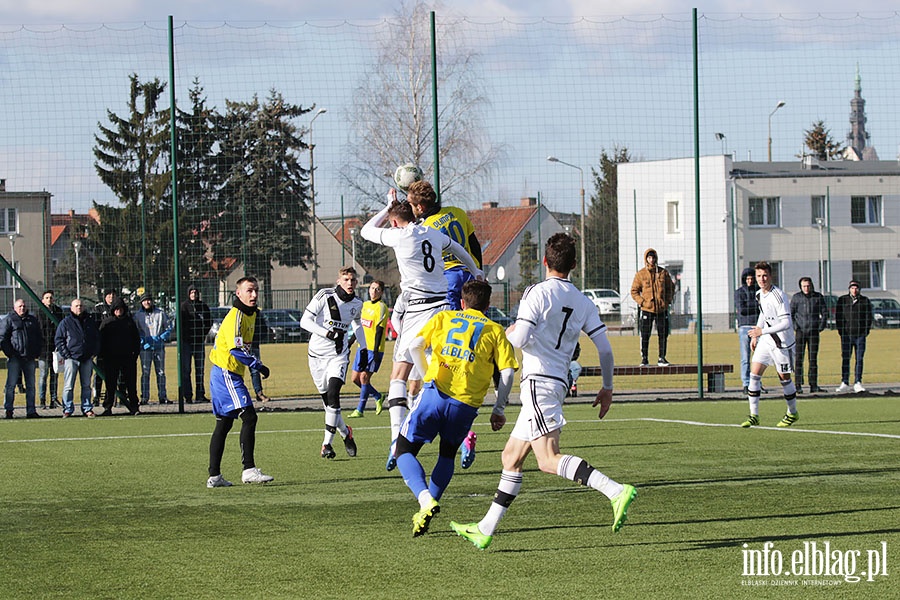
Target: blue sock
x,y
412,472
363,396
441,476
374,392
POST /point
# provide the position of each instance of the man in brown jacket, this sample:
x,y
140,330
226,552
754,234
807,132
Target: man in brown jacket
x,y
653,291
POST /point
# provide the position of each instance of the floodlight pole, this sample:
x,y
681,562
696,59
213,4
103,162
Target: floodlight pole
x,y
312,201
581,237
777,106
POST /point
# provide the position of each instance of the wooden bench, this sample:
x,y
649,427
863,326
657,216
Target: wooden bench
x,y
620,328
715,373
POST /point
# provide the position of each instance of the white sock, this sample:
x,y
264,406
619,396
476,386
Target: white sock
x,y
507,490
425,498
579,471
753,398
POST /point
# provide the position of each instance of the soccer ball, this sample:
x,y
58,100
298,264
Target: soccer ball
x,y
406,175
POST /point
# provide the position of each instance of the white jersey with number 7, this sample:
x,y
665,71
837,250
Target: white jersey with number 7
x,y
559,312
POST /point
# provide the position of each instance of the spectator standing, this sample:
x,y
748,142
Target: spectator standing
x,y
195,322
22,341
77,342
810,316
653,290
120,344
747,311
153,325
853,316
102,310
45,361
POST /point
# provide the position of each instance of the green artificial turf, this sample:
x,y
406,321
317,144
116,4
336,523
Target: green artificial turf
x,y
118,508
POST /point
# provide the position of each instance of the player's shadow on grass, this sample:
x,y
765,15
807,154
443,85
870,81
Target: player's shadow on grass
x,y
769,477
737,542
768,517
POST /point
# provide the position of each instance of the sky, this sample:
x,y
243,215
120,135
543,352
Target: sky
x,y
107,11
612,99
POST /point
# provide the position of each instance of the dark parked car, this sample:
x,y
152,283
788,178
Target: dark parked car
x,y
284,325
498,316
886,312
216,313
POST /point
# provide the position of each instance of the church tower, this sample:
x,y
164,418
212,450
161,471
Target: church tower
x,y
858,137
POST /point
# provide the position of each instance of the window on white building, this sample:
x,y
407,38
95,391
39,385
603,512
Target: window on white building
x,y
8,221
673,217
817,210
865,210
764,212
869,273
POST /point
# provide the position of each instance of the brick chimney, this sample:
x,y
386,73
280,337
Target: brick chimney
x,y
486,205
528,202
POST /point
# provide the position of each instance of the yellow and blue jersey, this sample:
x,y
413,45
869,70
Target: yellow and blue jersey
x,y
465,346
235,333
454,223
374,322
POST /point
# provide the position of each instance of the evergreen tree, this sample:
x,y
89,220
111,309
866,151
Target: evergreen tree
x,y
199,179
529,262
819,141
132,159
264,203
602,222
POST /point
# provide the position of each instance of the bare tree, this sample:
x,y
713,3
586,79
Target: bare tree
x,y
392,113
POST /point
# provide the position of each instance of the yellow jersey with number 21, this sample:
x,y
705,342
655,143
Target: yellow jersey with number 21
x,y
465,346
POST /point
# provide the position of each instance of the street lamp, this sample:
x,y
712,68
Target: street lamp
x,y
581,171
721,138
77,245
12,259
312,193
820,223
353,245
777,106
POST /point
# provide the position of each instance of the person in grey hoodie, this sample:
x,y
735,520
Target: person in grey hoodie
x,y
810,316
153,325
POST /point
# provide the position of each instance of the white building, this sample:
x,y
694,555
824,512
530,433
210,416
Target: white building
x,y
832,221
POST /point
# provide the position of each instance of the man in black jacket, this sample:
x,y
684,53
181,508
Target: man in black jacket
x,y
21,340
747,312
120,344
77,341
47,374
853,316
195,322
810,316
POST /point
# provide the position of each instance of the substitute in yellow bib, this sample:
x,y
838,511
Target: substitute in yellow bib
x,y
465,348
374,322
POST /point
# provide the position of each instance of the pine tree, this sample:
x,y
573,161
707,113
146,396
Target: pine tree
x,y
819,141
132,159
602,222
265,215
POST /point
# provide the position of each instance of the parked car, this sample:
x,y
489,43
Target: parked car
x,y
606,301
284,325
216,313
498,316
886,312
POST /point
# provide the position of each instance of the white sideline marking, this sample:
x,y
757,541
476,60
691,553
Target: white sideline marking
x,y
164,435
700,424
